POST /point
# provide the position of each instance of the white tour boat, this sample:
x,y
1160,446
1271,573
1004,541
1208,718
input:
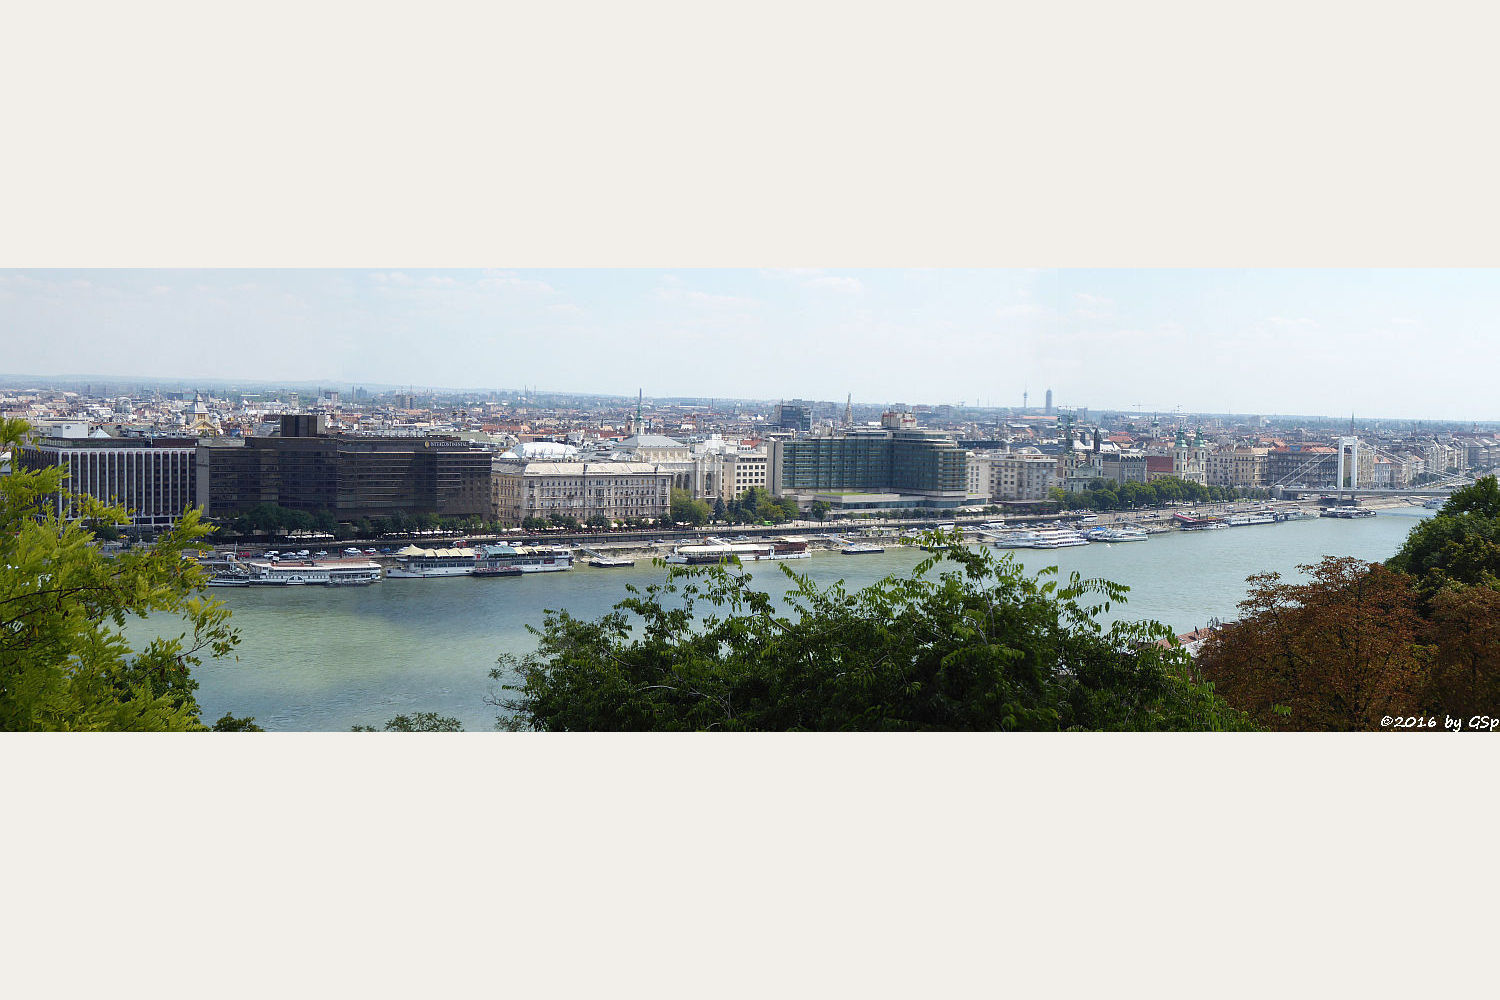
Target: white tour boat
x,y
414,562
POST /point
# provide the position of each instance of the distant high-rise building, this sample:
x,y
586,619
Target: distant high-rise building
x,y
1048,410
794,416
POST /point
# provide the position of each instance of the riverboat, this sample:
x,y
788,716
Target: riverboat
x,y
1120,534
414,562
1015,540
708,554
1195,522
1058,538
230,578
1240,520
513,560
314,572
1345,512
861,549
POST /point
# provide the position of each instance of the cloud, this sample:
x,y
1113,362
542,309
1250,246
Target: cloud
x,y
509,279
1092,306
1293,323
815,277
674,292
835,283
1020,310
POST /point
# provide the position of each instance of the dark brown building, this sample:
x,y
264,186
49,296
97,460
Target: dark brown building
x,y
352,477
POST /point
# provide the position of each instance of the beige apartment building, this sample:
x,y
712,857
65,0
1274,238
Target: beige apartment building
x,y
1024,475
743,471
616,490
1238,466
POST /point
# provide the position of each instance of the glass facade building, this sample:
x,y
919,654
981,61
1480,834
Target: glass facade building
x,y
904,461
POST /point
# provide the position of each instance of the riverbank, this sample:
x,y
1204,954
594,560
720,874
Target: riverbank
x,y
828,536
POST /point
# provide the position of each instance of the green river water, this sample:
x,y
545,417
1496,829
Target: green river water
x,y
325,658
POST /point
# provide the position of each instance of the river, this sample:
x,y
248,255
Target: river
x,y
321,658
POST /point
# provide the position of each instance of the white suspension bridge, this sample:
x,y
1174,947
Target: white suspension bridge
x,y
1346,476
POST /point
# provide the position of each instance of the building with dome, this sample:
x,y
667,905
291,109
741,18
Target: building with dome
x,y
198,421
541,451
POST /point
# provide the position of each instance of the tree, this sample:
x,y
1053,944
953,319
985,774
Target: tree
x,y
1338,652
233,724
1460,544
980,646
818,509
686,510
1464,636
418,722
720,511
65,663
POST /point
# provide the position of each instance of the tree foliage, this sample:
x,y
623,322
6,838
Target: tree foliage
x,y
979,645
1106,494
417,722
757,506
1458,545
65,663
686,510
1357,642
1337,652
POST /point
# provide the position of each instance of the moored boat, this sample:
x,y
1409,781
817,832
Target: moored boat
x,y
1120,534
414,562
513,560
714,552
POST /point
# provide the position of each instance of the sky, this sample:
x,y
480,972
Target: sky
x,y
1378,343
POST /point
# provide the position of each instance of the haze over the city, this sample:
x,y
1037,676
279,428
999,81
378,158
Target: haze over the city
x,y
1398,343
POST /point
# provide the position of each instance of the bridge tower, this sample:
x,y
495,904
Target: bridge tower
x,y
1349,445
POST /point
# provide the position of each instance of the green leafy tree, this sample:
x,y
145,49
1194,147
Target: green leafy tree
x,y
231,724
1458,545
982,645
65,663
686,510
417,722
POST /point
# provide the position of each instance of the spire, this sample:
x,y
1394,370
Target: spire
x,y
640,396
849,411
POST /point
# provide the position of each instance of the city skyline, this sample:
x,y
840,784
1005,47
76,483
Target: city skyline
x,y
1399,344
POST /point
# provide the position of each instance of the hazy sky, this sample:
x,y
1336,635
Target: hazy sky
x,y
1413,343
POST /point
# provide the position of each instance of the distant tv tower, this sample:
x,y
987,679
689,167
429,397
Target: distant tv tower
x,y
849,411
